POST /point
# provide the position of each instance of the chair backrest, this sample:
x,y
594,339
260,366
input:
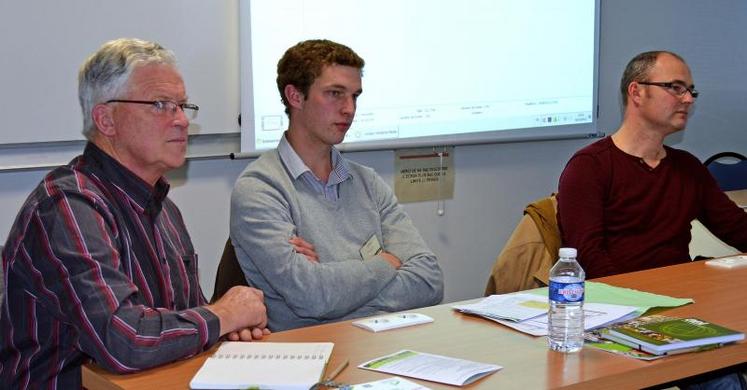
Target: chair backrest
x,y
229,272
730,176
530,252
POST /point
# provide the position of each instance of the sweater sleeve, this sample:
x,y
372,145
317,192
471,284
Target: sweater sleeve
x,y
262,224
71,256
720,214
419,281
581,195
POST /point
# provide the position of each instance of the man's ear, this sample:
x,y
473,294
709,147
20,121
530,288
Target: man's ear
x,y
634,92
294,96
104,119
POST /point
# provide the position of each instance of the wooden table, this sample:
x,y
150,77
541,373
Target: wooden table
x,y
719,296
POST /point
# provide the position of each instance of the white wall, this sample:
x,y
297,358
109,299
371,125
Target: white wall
x,y
43,43
495,182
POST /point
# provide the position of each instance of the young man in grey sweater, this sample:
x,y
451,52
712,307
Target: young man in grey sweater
x,y
322,236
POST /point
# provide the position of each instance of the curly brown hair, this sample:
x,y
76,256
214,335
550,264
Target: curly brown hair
x,y
303,63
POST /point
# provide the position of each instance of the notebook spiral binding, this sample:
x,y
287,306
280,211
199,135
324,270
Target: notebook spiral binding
x,y
243,356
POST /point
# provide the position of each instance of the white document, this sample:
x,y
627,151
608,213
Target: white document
x,y
392,321
431,367
393,383
595,315
728,262
513,307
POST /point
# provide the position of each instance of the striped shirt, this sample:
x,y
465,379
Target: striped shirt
x,y
98,265
297,168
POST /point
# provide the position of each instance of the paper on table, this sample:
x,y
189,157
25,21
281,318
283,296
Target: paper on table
x,y
595,315
393,383
513,307
392,321
729,262
431,367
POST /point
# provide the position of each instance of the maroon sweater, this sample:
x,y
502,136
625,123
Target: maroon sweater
x,y
624,216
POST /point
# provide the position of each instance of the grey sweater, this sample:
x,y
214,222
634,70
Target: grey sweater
x,y
268,207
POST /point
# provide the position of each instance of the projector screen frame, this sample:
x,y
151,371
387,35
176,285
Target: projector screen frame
x,y
540,133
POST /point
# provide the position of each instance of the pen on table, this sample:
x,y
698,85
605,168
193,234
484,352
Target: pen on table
x,y
332,375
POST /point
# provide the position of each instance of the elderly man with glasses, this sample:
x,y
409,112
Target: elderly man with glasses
x,y
99,263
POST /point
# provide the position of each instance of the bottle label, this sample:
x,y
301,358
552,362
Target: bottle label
x,y
566,292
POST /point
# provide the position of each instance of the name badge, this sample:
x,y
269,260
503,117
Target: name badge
x,y
371,248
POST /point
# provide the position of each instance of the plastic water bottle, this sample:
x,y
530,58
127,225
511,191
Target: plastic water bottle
x,y
566,316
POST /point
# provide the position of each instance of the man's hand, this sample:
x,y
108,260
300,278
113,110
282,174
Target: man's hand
x,y
391,259
248,334
305,248
241,310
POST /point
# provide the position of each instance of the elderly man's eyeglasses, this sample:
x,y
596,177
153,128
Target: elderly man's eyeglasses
x,y
164,106
678,89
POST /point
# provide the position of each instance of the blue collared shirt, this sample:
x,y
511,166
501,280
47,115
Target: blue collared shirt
x,y
297,168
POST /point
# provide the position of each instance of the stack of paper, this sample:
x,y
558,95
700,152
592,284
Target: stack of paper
x,y
513,307
528,312
604,304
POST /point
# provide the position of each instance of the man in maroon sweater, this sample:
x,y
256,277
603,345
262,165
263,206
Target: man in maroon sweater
x,y
627,201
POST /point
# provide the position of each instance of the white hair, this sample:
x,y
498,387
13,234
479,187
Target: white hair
x,y
106,72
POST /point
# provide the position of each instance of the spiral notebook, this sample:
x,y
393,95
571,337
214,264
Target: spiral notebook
x,y
263,365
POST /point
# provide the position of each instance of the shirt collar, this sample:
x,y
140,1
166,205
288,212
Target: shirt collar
x,y
150,198
296,167
291,159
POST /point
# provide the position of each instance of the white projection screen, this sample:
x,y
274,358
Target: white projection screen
x,y
438,72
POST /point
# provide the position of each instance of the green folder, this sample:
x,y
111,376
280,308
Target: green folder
x,y
604,293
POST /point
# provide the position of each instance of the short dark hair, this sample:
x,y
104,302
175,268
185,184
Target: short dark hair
x,y
303,63
638,69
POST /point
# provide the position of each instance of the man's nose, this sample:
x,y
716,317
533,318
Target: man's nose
x,y
688,97
348,106
180,117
